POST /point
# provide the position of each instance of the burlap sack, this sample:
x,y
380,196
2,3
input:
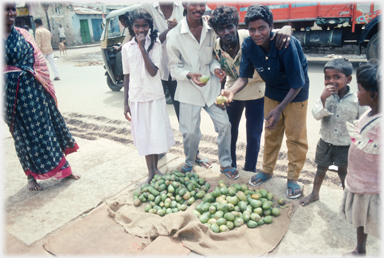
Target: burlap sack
x,y
198,237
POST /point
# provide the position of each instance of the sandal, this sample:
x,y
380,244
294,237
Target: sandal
x,y
184,169
201,163
232,170
294,187
261,176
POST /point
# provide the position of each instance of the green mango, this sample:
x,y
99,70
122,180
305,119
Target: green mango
x,y
204,78
173,204
207,185
182,191
216,192
171,189
281,201
223,228
151,197
252,224
269,196
232,191
137,192
204,218
198,214
255,203
260,222
221,99
244,188
187,195
211,220
238,222
206,206
268,219
190,186
191,200
153,211
212,209
200,195
255,217
231,207
242,205
266,205
175,210
208,198
137,202
221,221
263,193
142,198
229,216
246,216
219,214
232,199
275,212
224,190
230,225
215,228
160,212
222,207
182,207
241,196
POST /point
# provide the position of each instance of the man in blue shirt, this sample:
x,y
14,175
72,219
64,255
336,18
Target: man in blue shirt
x,y
285,73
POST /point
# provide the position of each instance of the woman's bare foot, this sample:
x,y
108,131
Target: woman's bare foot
x,y
33,185
308,199
203,161
73,176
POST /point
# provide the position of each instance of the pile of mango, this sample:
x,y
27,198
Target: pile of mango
x,y
226,208
171,193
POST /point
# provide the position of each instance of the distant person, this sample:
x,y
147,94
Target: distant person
x,y
285,73
227,49
26,27
361,203
337,105
43,39
42,139
151,129
62,34
118,63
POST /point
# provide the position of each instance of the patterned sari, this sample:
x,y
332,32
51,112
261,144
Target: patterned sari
x,y
30,110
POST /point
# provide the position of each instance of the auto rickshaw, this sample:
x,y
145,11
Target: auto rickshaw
x,y
113,35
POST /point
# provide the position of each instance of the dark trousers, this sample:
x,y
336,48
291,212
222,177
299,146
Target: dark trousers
x,y
254,114
171,85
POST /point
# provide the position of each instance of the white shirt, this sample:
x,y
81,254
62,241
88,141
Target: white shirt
x,y
142,86
61,32
335,114
160,24
186,55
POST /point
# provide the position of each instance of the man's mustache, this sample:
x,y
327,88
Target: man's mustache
x,y
199,12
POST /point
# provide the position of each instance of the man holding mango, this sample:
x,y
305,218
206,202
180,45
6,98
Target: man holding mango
x,y
190,48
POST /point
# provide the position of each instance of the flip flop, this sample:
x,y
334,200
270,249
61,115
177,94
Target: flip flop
x,y
232,170
294,187
261,176
199,161
184,169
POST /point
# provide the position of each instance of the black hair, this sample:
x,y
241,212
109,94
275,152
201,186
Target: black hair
x,y
38,21
26,27
368,75
258,12
224,15
142,14
341,65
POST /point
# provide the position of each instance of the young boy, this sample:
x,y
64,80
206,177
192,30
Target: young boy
x,y
336,106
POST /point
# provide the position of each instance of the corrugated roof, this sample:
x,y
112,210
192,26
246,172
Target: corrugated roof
x,y
86,10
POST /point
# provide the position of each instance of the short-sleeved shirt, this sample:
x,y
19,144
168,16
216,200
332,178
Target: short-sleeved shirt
x,y
281,70
142,86
255,87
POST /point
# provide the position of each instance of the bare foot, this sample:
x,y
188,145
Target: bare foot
x,y
203,161
33,185
148,181
354,253
308,199
157,172
73,176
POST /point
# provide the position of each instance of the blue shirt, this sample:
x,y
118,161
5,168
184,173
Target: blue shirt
x,y
281,70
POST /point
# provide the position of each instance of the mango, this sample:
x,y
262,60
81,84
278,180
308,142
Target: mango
x,y
246,216
269,196
252,224
222,207
229,216
212,221
230,225
215,228
258,210
255,217
137,202
160,212
266,205
223,228
281,201
212,209
232,191
153,211
238,222
268,219
219,214
241,196
221,221
221,100
204,78
275,212
263,193
242,205
224,190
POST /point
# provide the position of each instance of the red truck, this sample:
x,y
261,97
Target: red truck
x,y
327,24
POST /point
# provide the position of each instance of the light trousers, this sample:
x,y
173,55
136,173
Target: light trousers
x,y
293,122
190,119
51,61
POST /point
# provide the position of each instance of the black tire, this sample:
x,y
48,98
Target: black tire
x,y
373,47
113,86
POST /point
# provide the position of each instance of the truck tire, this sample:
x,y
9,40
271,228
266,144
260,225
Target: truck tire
x,y
111,85
373,47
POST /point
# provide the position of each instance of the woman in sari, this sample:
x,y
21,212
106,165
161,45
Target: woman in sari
x,y
30,108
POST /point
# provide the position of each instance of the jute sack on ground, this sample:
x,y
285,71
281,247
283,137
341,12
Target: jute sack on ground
x,y
198,237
